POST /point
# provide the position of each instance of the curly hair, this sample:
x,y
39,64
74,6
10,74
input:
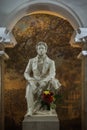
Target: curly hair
x,y
42,43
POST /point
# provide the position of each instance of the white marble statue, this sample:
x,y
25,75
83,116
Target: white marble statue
x,y
39,72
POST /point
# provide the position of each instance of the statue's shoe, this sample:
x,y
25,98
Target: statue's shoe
x,y
29,113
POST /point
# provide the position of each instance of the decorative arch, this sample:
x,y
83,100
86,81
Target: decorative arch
x,y
47,7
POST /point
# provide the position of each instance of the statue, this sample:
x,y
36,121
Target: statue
x,y
40,72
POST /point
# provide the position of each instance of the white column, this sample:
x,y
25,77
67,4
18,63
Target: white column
x,y
2,87
81,38
6,40
84,87
1,93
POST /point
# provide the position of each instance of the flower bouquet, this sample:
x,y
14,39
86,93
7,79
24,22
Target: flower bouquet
x,y
48,100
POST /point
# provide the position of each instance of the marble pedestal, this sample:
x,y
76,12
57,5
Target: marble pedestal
x,y
41,122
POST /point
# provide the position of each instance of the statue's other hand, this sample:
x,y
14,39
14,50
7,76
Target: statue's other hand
x,y
42,84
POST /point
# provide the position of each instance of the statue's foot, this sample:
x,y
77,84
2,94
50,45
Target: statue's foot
x,y
29,113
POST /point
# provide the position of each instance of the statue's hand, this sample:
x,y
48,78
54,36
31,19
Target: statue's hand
x,y
42,84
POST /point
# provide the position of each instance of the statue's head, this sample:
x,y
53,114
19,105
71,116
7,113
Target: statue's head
x,y
41,48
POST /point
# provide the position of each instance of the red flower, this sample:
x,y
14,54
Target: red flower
x,y
47,97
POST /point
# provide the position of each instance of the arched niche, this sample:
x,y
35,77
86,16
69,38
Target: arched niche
x,y
47,7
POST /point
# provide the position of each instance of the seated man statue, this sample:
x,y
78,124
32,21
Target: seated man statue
x,y
39,72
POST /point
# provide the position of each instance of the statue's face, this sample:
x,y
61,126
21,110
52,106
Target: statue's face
x,y
41,50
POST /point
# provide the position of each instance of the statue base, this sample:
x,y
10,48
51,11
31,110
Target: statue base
x,y
41,122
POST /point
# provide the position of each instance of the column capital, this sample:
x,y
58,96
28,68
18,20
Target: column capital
x,y
4,55
2,52
79,37
82,54
7,38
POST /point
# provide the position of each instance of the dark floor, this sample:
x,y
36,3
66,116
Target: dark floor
x,y
74,124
